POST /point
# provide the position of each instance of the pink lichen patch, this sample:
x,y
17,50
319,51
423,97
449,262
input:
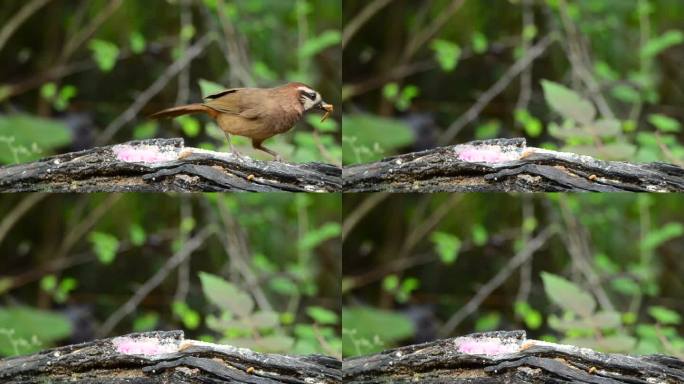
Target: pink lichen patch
x,y
143,346
486,153
486,346
143,153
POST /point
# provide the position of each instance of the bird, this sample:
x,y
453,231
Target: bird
x,y
256,113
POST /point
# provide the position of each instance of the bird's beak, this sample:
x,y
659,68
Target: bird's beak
x,y
328,108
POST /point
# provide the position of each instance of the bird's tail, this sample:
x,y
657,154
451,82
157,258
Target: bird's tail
x,y
183,110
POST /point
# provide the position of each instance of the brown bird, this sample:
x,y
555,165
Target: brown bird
x,y
257,113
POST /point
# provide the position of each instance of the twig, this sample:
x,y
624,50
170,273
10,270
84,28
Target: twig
x,y
239,256
526,269
17,212
498,87
324,152
236,60
420,38
24,13
88,31
360,211
577,247
496,281
526,75
184,75
159,84
152,283
577,58
361,18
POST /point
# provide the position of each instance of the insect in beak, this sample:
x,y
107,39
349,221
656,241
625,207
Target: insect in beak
x,y
328,108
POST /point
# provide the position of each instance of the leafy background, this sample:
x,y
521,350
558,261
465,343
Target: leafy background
x,y
604,273
259,270
419,74
74,74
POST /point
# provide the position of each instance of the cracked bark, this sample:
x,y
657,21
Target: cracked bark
x,y
165,357
524,169
515,360
161,165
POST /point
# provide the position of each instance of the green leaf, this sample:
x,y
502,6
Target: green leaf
x,y
390,91
664,315
48,283
189,125
626,286
664,123
568,103
225,295
190,317
105,53
48,91
390,283
568,295
488,130
28,324
322,315
625,93
446,245
446,54
658,236
137,234
533,319
480,235
606,127
283,285
488,322
27,138
658,44
315,237
146,322
137,41
319,43
105,246
369,137
263,319
479,41
364,324
533,126
145,130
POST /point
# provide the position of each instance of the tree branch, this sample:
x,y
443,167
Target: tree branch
x,y
507,357
161,165
507,165
165,357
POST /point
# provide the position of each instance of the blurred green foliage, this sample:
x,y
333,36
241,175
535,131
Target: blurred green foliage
x,y
608,278
78,65
605,90
266,278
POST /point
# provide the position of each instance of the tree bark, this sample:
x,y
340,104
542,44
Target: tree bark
x,y
508,357
161,165
165,357
507,165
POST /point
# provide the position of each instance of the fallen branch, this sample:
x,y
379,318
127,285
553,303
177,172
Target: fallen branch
x,y
165,357
505,165
508,357
160,165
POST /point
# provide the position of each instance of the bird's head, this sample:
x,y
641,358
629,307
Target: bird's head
x,y
311,99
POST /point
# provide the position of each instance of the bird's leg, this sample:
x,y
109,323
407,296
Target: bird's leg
x,y
230,143
256,144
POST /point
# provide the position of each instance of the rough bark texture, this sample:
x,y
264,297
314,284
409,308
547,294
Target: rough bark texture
x,y
507,165
508,357
165,357
160,165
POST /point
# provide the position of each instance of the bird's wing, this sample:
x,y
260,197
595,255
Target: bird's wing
x,y
238,101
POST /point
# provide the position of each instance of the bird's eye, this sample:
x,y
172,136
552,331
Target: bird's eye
x,y
309,95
